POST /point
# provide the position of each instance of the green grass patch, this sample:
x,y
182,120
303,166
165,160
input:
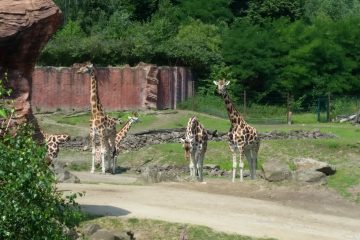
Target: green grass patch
x,y
145,229
172,153
343,151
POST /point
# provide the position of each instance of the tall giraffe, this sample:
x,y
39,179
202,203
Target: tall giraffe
x,y
101,125
243,138
195,145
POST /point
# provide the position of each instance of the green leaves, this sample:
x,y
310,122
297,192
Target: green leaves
x,y
30,205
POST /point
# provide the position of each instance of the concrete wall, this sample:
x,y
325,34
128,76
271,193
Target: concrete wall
x,y
120,88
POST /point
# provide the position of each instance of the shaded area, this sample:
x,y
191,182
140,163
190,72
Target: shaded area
x,y
104,210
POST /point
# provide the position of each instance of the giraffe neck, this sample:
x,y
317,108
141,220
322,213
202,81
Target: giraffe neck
x,y
123,131
96,108
234,115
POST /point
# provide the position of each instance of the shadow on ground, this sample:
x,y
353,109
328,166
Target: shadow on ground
x,y
103,210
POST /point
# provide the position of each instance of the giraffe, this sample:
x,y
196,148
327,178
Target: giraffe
x,y
195,145
101,125
120,135
52,142
243,138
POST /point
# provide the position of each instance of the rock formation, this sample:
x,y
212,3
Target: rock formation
x,y
25,28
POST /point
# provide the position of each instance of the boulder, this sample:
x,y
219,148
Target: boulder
x,y
155,174
90,229
310,176
26,26
104,234
276,171
309,164
63,175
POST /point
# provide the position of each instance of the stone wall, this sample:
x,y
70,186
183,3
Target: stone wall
x,y
120,88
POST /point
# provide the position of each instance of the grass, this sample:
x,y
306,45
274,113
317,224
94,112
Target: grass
x,y
343,152
145,229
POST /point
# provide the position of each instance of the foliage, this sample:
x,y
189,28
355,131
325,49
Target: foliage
x,y
5,111
214,11
30,205
196,44
260,11
330,9
304,48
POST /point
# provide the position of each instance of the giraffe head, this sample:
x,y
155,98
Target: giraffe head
x,y
133,119
188,144
86,67
221,86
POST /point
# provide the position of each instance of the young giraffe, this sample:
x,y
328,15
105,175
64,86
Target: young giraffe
x,y
52,142
101,125
121,134
243,138
195,145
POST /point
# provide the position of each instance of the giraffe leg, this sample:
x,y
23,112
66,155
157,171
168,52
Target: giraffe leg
x,y
93,160
252,165
255,155
200,166
241,167
234,166
249,158
103,160
93,151
112,152
113,164
192,165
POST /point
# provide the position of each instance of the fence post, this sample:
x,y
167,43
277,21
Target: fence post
x,y
289,113
328,108
244,102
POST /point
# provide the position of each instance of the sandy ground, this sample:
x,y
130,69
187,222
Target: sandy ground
x,y
250,208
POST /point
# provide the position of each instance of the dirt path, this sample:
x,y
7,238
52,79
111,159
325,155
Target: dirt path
x,y
197,204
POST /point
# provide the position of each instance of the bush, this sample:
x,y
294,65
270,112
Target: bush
x,y
30,206
344,106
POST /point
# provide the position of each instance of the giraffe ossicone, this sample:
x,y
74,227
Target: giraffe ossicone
x,y
243,138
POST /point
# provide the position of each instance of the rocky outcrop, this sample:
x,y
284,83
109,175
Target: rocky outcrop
x,y
151,91
276,171
95,232
62,175
309,176
309,164
142,139
155,174
25,28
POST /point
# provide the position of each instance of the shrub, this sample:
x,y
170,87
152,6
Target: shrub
x,y
30,206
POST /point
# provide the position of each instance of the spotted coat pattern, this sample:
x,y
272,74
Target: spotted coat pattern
x,y
52,144
101,125
243,138
195,146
